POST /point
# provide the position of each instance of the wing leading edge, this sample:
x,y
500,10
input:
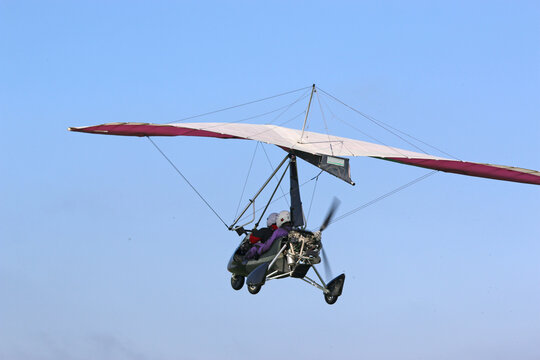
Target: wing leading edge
x,y
316,144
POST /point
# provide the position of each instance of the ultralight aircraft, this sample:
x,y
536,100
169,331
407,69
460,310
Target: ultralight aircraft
x,y
294,255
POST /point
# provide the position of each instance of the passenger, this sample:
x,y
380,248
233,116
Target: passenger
x,y
263,234
283,223
257,236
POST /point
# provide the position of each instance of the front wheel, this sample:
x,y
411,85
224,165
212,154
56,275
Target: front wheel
x,y
237,281
254,289
330,299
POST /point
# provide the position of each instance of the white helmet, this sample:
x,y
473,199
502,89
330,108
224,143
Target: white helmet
x,y
282,218
271,220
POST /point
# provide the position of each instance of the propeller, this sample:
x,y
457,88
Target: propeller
x,y
330,214
326,222
326,263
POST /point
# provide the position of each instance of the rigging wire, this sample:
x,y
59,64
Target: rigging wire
x,y
360,131
388,127
280,124
365,205
305,95
288,121
272,167
282,196
285,108
187,181
313,196
373,120
316,178
247,177
384,196
244,104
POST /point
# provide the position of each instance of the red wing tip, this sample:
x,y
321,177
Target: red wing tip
x,y
82,129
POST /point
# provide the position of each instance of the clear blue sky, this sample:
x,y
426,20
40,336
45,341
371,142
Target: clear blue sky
x,y
105,253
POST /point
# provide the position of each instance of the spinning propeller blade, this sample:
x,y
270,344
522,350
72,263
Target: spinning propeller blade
x,y
330,215
327,269
326,222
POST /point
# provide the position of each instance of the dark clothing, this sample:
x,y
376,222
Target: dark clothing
x,y
262,234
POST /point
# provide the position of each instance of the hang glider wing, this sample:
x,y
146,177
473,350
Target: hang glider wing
x,y
321,150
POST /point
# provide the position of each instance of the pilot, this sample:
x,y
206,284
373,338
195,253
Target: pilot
x,y
257,237
263,234
283,223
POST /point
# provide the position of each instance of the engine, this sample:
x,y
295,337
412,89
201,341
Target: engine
x,y
305,246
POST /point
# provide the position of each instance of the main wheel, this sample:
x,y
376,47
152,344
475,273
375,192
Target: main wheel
x,y
254,289
237,281
330,299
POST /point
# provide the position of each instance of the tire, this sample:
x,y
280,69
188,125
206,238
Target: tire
x,y
254,289
237,281
330,299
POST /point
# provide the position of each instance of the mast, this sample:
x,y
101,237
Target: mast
x,y
297,214
307,113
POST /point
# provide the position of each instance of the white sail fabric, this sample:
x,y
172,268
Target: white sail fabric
x,y
311,142
317,144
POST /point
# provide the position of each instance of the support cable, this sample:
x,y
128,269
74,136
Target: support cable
x,y
357,129
272,167
373,120
382,197
279,124
288,121
247,178
244,104
273,193
313,195
285,108
187,181
282,196
389,128
396,190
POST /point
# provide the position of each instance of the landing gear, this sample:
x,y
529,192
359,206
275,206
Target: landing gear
x,y
330,299
237,281
254,289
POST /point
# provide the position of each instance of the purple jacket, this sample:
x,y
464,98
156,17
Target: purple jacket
x,y
279,232
259,248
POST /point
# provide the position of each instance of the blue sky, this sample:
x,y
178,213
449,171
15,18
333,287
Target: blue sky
x,y
106,253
